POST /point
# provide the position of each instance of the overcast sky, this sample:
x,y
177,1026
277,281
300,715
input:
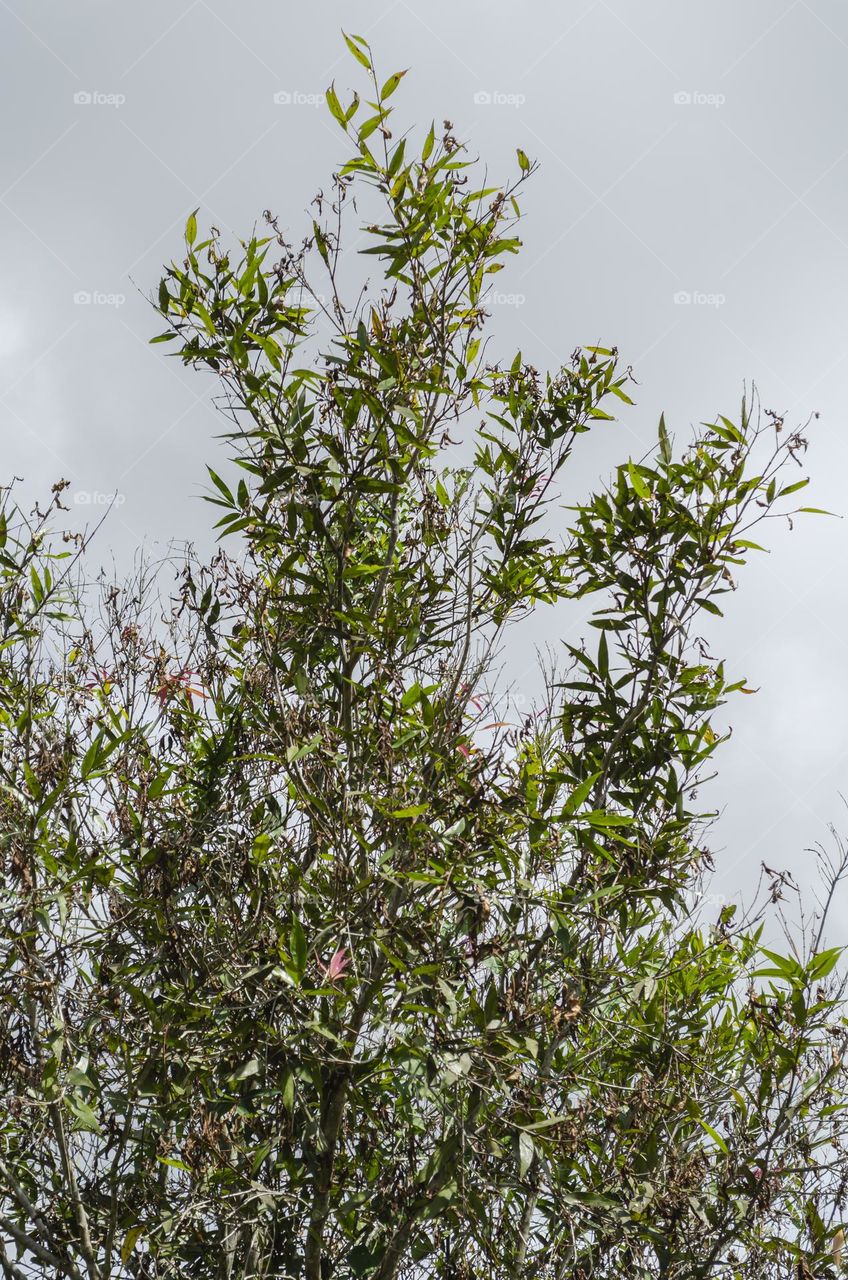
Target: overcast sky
x,y
690,209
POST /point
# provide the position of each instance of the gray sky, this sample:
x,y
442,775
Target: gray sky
x,y
697,150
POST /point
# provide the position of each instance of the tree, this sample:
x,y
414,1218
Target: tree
x,y
310,970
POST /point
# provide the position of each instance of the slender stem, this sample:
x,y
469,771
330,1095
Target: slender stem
x,y
38,1250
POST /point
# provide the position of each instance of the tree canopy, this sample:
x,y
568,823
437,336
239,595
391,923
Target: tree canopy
x,y
311,965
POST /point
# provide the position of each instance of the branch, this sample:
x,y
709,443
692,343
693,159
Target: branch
x,y
332,1117
21,1196
399,1241
10,1270
37,1217
38,1250
535,1177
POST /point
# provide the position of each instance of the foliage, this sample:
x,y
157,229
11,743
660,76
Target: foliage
x,y
305,970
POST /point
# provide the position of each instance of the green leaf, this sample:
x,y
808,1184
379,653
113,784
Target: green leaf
x,y
793,488
411,696
297,943
526,1153
287,1091
823,963
335,106
159,783
603,656
295,753
352,109
246,1070
368,127
221,487
599,818
361,1259
361,57
716,1137
818,1231
579,795
191,228
550,1123
665,442
82,1113
91,758
133,1235
786,964
638,482
391,84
